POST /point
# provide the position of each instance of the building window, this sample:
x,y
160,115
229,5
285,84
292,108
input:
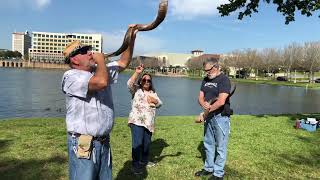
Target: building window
x,y
51,36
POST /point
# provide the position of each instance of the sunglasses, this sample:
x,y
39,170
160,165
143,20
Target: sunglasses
x,y
146,80
214,66
81,51
207,70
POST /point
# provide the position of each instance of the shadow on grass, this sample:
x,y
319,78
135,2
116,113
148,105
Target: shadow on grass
x,y
4,144
126,173
202,152
156,149
32,169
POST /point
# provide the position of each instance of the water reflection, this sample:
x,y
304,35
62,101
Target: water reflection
x,y
36,93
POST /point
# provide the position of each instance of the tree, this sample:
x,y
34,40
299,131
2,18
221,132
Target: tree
x,y
17,54
311,58
271,59
292,55
286,7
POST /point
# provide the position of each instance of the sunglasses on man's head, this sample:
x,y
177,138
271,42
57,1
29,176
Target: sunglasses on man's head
x,y
146,80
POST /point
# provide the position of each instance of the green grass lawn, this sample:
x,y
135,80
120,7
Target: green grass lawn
x,y
260,147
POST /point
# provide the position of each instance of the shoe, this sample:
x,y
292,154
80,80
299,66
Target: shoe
x,y
203,172
151,164
148,164
215,178
137,171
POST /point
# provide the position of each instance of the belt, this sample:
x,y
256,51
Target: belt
x,y
96,138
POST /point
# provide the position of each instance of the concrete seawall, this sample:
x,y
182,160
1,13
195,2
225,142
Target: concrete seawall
x,y
26,64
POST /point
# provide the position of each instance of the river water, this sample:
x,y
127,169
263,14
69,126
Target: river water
x,y
37,93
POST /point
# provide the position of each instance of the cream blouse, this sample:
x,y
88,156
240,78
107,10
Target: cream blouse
x,y
142,113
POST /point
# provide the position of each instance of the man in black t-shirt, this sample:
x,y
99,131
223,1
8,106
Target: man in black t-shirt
x,y
216,86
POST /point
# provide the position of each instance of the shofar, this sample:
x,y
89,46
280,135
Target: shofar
x,y
162,12
202,116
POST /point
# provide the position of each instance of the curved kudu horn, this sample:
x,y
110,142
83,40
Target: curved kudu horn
x,y
162,11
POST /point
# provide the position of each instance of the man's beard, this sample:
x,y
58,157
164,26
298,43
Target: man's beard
x,y
212,76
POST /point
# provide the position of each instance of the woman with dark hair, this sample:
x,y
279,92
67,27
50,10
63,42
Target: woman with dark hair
x,y
141,118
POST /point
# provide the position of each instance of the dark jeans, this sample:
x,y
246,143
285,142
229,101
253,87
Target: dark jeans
x,y
141,140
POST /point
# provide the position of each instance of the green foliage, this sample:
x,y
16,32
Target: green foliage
x,y
260,147
10,54
287,7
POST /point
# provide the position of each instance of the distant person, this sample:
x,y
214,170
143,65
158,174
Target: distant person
x,y
141,118
217,86
90,110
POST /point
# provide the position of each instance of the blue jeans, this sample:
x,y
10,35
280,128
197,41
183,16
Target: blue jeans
x,y
141,140
99,166
216,133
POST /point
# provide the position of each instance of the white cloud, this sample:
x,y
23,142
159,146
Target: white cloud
x,y
189,9
40,4
17,4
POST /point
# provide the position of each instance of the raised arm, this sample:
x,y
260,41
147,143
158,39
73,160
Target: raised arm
x,y
100,79
133,78
126,56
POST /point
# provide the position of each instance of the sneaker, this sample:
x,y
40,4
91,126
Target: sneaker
x,y
202,172
151,164
148,164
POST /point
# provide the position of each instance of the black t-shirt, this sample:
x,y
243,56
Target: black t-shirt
x,y
213,87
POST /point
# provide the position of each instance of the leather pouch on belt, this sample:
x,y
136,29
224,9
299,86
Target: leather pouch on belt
x,y
84,146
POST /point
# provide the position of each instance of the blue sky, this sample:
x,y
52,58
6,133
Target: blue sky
x,y
189,25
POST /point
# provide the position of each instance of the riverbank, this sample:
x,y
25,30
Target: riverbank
x,y
279,83
259,81
260,147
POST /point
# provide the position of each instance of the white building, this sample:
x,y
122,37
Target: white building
x,y
48,47
175,59
21,42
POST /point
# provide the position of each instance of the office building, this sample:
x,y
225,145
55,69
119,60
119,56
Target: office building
x,y
21,42
48,47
